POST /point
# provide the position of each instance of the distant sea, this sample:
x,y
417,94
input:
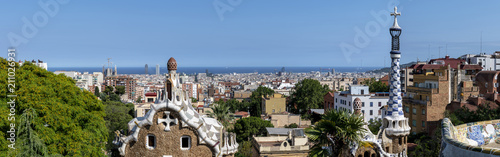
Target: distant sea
x,y
217,70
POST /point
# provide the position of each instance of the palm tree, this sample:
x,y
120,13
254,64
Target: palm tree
x,y
221,113
335,133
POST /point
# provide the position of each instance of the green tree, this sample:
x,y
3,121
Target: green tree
x,y
108,90
234,105
333,134
96,91
426,145
194,100
29,144
307,94
293,125
256,100
117,118
139,99
120,90
245,128
464,115
74,117
221,113
244,150
374,125
376,86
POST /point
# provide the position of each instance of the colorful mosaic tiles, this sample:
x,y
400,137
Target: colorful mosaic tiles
x,y
473,136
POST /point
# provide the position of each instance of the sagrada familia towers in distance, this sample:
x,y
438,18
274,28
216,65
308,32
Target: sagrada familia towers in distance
x,y
391,140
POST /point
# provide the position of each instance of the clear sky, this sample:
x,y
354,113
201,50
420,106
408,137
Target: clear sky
x,y
245,32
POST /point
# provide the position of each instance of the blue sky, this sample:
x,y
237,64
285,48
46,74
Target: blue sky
x,y
251,33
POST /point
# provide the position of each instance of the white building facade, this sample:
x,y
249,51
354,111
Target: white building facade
x,y
371,102
487,62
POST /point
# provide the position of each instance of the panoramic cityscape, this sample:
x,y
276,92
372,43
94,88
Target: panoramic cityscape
x,y
243,78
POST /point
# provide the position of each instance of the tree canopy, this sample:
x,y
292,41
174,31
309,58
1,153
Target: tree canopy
x,y
245,128
117,117
376,86
69,121
256,100
307,94
333,134
221,113
464,115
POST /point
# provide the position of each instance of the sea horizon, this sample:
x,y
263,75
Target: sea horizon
x,y
216,70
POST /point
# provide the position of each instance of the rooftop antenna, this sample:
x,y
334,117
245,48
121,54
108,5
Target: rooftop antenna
x,y
429,51
447,49
439,51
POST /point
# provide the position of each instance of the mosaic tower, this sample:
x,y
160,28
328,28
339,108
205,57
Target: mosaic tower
x,y
395,124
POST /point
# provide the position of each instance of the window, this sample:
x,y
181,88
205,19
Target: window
x,y
371,112
423,111
336,99
151,141
379,104
185,142
423,123
349,103
273,110
379,112
414,110
362,92
363,111
407,109
414,122
427,97
362,104
371,104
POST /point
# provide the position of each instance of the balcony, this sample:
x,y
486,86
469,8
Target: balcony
x,y
422,90
415,101
470,89
425,77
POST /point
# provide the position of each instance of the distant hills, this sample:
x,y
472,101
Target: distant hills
x,y
387,69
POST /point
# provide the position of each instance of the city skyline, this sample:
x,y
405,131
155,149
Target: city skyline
x,y
254,33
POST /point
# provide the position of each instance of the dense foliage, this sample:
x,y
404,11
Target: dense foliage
x,y
293,125
464,115
374,125
245,128
256,100
234,105
307,94
426,145
333,134
244,150
69,120
117,117
221,113
376,86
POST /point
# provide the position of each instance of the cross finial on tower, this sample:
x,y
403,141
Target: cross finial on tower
x,y
395,14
